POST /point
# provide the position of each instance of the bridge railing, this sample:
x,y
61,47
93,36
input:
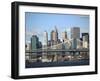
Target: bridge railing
x,y
56,50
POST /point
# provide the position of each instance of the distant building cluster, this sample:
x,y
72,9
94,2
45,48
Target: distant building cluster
x,y
75,42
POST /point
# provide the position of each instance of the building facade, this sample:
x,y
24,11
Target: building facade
x,y
64,36
75,33
34,42
75,36
85,38
45,39
54,36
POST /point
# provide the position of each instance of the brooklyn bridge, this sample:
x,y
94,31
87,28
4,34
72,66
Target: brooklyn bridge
x,y
59,51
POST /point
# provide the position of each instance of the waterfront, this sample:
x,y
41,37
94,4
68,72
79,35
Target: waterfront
x,y
59,63
48,45
57,58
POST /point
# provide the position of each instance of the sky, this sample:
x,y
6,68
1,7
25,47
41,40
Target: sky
x,y
37,23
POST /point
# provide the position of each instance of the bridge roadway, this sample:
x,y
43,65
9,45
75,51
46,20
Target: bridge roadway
x,y
58,50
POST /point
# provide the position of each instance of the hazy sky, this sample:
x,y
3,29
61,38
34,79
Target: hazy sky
x,y
37,23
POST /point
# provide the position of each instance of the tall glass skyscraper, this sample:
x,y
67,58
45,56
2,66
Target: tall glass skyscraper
x,y
34,42
75,36
75,33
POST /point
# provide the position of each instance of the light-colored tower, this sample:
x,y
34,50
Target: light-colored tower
x,y
45,46
54,36
54,41
45,39
64,36
85,37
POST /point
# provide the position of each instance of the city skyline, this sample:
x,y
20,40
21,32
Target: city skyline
x,y
56,38
54,50
37,23
75,42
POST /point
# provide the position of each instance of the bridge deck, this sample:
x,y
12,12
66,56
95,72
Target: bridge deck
x,y
58,50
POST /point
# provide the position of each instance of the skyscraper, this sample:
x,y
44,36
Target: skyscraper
x,y
75,36
75,33
45,39
34,42
54,36
35,45
64,36
85,38
74,44
54,41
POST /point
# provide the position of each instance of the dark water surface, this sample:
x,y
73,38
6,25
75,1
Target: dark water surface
x,y
56,64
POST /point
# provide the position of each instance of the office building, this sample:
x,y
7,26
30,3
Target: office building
x,y
74,44
64,36
35,45
75,36
54,36
45,39
85,38
75,33
34,42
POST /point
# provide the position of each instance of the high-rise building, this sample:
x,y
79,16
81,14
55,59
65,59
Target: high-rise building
x,y
45,46
39,45
54,36
75,36
35,45
64,36
45,39
75,33
54,41
74,44
34,42
85,38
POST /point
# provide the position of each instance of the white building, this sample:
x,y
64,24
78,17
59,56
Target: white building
x,y
85,42
45,39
